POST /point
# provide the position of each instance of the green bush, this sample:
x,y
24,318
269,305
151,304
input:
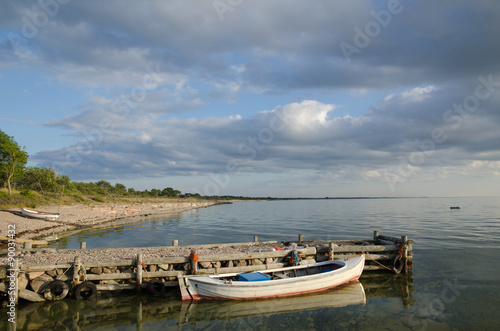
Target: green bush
x,y
98,199
28,194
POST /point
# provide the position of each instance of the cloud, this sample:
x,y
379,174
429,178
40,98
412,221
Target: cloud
x,y
181,91
304,135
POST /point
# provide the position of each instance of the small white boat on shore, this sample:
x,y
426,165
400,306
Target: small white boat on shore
x,y
40,214
272,283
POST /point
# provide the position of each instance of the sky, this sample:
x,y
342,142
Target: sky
x,y
258,98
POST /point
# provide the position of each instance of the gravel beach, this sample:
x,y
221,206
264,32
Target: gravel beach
x,y
76,216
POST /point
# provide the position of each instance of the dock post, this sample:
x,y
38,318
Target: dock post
x,y
139,271
175,242
255,239
404,240
194,257
83,245
301,237
76,270
28,245
331,251
375,235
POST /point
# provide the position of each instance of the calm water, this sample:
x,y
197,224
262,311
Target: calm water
x,y
454,285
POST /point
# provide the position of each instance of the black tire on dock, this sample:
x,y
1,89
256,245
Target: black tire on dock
x,y
56,290
156,286
398,264
85,290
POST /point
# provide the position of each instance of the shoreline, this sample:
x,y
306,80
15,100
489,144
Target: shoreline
x,y
78,217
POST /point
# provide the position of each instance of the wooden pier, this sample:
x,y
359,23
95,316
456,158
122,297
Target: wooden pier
x,y
83,279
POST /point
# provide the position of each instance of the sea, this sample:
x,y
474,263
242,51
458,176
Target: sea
x,y
454,283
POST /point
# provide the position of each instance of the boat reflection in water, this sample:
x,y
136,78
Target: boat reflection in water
x,y
124,311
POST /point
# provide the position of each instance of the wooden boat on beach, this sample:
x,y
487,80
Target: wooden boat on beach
x,y
40,214
272,283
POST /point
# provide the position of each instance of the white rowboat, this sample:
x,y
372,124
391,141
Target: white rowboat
x,y
39,214
272,283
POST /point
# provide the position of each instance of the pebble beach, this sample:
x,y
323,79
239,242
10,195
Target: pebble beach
x,y
80,216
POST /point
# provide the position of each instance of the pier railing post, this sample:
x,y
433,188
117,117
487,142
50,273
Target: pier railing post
x,y
83,245
331,251
301,237
139,271
375,235
404,240
76,270
194,258
255,239
175,242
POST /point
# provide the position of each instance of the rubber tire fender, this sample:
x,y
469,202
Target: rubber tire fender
x,y
56,290
156,286
85,291
398,264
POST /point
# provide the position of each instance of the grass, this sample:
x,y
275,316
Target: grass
x,y
32,199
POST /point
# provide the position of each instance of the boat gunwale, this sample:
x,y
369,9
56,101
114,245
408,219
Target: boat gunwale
x,y
212,279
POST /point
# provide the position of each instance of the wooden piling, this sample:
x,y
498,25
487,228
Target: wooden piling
x,y
139,271
404,240
83,245
28,245
76,270
255,239
194,258
301,237
175,242
375,235
331,251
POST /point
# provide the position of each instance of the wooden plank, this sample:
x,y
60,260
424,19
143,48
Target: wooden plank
x,y
22,241
185,295
256,255
391,239
133,275
367,248
44,267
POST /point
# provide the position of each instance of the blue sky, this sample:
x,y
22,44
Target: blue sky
x,y
258,98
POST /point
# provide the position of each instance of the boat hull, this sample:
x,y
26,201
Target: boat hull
x,y
212,287
39,214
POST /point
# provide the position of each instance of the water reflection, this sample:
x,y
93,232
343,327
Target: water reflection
x,y
128,311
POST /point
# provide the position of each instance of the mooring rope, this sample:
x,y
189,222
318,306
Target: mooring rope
x,y
378,262
144,268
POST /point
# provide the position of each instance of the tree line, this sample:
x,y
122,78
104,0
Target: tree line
x,y
15,173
